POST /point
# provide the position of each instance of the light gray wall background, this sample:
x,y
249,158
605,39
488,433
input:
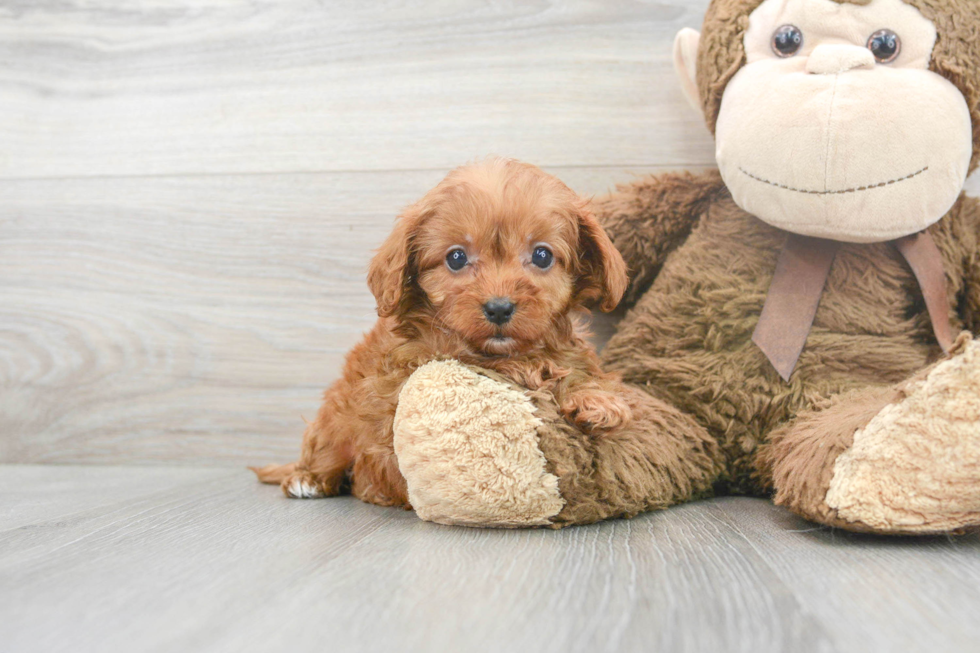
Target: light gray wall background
x,y
190,191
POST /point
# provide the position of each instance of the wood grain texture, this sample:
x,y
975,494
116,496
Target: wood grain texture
x,y
187,318
223,564
95,88
47,494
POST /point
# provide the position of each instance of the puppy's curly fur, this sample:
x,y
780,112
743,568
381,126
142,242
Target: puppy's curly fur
x,y
498,214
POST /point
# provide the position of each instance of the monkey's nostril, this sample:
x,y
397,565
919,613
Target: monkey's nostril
x,y
499,310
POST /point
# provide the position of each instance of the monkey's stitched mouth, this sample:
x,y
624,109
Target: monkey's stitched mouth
x,y
856,189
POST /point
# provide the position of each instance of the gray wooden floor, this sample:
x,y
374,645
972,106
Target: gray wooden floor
x,y
189,194
181,559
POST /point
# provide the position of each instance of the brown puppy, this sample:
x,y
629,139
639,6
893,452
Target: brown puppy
x,y
491,267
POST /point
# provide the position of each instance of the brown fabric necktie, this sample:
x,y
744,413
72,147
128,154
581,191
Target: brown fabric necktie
x,y
925,259
801,273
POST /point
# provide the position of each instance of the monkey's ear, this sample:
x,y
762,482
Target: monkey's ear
x,y
686,65
388,274
602,274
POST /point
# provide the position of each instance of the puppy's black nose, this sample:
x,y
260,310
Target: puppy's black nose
x,y
499,310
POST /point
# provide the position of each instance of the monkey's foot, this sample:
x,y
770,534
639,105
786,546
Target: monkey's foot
x,y
468,447
915,467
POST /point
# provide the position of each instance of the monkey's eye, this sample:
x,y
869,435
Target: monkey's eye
x,y
787,41
542,257
885,45
456,259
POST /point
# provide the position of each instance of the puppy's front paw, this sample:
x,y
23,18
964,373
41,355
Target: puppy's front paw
x,y
597,410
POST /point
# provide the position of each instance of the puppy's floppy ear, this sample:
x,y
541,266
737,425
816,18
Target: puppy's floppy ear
x,y
389,275
602,271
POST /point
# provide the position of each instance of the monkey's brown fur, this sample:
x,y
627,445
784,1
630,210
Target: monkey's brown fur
x,y
688,338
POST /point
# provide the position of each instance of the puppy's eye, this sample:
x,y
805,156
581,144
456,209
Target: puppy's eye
x,y
885,45
456,260
787,41
542,257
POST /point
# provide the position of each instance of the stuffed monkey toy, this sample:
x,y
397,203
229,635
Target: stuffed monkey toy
x,y
802,317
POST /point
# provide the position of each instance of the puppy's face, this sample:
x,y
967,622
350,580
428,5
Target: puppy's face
x,y
499,251
500,273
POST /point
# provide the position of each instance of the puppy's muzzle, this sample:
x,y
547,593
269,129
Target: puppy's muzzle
x,y
499,311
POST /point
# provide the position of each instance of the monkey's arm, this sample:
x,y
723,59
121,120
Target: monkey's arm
x,y
650,217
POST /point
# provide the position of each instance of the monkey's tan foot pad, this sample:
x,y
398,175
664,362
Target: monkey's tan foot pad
x,y
915,468
468,447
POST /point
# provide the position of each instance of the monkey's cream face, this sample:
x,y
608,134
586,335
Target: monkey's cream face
x,y
836,128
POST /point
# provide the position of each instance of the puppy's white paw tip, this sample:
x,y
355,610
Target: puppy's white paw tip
x,y
301,488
